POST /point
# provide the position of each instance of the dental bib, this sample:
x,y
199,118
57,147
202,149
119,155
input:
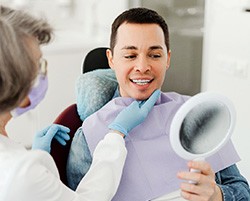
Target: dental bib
x,y
151,165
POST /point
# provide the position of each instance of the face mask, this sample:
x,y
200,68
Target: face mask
x,y
36,95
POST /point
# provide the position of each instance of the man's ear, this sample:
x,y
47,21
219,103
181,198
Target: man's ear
x,y
168,60
110,58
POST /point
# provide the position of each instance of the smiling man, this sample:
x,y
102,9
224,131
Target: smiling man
x,y
139,55
140,59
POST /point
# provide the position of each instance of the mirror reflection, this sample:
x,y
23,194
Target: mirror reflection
x,y
204,127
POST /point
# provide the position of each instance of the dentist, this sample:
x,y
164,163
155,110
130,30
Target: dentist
x,y
32,175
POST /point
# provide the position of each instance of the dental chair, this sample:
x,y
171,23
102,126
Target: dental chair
x,y
95,59
70,118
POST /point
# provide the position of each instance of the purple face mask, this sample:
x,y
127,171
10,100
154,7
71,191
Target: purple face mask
x,y
36,95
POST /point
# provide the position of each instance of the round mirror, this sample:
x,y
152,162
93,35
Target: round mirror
x,y
202,125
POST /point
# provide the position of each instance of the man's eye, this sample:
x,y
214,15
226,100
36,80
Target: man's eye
x,y
130,56
154,56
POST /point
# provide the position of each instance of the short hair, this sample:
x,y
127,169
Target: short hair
x,y
138,16
17,65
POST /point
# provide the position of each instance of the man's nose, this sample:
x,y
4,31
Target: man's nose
x,y
142,65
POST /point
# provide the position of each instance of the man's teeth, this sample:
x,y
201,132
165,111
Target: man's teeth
x,y
141,82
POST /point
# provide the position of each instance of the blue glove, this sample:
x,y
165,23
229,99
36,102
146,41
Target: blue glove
x,y
44,137
134,114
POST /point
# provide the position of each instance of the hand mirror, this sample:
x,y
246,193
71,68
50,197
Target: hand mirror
x,y
202,125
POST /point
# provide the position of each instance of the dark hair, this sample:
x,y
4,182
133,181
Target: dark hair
x,y
138,16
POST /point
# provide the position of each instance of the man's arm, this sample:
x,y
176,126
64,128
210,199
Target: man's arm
x,y
232,184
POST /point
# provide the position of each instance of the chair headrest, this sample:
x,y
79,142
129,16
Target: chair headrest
x,y
95,59
93,90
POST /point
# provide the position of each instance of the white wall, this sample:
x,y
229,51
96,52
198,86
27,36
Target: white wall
x,y
226,65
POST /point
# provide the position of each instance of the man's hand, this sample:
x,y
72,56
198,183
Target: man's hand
x,y
204,188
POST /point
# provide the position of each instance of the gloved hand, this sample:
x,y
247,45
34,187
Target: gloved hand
x,y
134,114
44,137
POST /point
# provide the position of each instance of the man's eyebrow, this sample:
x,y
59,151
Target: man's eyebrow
x,y
155,47
129,48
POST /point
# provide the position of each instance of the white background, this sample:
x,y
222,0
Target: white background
x,y
226,65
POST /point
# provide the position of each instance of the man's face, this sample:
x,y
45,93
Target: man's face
x,y
140,59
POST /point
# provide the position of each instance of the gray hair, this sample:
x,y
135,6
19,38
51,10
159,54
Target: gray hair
x,y
17,65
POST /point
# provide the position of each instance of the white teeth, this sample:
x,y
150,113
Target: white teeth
x,y
141,82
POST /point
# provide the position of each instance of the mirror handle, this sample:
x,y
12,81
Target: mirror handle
x,y
195,170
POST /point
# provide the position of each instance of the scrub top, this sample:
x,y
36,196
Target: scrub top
x,y
29,175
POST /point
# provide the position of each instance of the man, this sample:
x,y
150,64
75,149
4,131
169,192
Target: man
x,y
140,56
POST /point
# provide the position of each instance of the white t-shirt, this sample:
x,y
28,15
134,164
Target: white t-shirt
x,y
33,176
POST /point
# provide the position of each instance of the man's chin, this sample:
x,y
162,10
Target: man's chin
x,y
142,96
139,95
